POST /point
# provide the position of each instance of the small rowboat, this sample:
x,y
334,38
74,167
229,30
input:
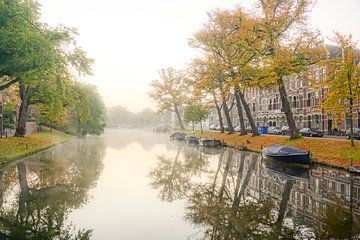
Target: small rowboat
x,y
178,136
210,142
285,154
192,140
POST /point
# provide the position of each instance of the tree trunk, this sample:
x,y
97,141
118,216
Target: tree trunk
x,y
293,131
283,204
351,124
228,165
227,114
193,127
248,114
21,168
218,169
201,129
25,93
24,195
254,160
237,197
218,109
179,117
240,113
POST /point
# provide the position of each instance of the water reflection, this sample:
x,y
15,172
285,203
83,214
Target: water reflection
x,y
37,193
242,197
121,138
110,187
172,176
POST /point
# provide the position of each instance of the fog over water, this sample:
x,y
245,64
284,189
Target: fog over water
x,y
134,184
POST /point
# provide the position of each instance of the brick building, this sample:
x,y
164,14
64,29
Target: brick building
x,y
305,101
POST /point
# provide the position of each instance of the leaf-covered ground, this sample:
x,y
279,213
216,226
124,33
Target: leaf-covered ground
x,y
12,147
328,151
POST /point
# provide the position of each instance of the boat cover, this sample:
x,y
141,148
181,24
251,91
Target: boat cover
x,y
280,149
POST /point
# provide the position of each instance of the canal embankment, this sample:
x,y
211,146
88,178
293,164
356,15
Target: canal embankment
x,y
12,148
324,151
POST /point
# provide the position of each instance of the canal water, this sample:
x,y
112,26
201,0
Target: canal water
x,y
132,184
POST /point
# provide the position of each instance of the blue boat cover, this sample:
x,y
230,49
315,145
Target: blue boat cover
x,y
280,149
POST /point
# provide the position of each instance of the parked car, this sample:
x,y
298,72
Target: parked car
x,y
311,132
237,128
356,132
274,130
225,128
285,130
213,127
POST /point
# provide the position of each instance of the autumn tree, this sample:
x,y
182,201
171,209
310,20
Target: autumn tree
x,y
205,82
343,81
170,92
228,37
289,47
195,113
147,118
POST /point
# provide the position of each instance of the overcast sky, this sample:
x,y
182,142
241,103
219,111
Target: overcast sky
x,y
131,40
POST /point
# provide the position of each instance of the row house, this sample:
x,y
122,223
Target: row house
x,y
305,99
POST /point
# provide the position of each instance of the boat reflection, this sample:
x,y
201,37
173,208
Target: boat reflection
x,y
239,196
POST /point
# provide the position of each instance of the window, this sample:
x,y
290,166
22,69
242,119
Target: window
x,y
274,103
295,102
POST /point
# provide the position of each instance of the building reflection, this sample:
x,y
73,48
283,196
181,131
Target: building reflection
x,y
240,196
312,193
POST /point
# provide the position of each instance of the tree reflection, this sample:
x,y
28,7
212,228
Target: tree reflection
x,y
339,223
220,213
242,198
194,161
224,211
172,176
50,185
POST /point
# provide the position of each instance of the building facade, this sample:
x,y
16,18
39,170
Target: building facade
x,y
305,101
305,98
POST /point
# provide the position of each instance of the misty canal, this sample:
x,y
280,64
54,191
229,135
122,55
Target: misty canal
x,y
133,184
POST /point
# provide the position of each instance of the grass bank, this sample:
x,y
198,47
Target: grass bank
x,y
13,148
326,151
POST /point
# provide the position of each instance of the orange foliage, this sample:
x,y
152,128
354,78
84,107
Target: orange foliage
x,y
334,152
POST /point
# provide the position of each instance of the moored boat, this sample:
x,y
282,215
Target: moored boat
x,y
179,136
285,154
192,140
210,142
